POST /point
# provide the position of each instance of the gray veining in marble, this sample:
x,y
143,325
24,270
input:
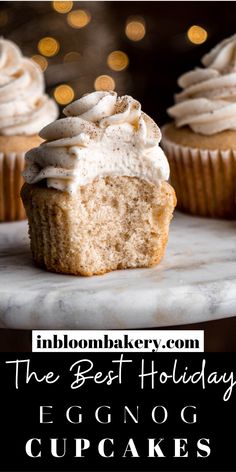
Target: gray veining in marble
x,y
195,282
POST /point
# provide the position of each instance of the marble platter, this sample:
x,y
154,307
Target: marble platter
x,y
195,282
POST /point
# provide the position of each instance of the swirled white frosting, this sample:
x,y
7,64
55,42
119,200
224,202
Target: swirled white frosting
x,y
24,107
102,135
208,100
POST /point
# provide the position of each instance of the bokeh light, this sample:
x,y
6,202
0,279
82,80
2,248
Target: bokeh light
x,y
41,61
197,35
64,94
78,18
135,29
62,7
72,56
117,60
48,46
3,18
104,82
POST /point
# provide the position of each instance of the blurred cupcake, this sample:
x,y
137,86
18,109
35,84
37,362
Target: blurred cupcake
x,y
96,194
24,110
201,143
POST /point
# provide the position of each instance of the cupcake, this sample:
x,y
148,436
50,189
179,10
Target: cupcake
x,y
96,195
24,110
201,142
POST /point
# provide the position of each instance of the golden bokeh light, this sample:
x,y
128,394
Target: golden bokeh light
x,y
3,18
64,94
72,56
48,46
135,29
104,82
197,35
117,60
62,7
41,61
78,18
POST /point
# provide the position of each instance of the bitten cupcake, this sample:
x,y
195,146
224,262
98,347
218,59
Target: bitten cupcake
x,y
24,110
96,195
201,143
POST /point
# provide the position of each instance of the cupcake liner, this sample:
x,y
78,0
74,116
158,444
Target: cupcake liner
x,y
204,180
11,181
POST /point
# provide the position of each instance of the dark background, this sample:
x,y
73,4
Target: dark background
x,y
155,61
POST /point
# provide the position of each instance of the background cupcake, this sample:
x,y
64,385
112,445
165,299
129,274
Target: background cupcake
x,y
24,110
201,143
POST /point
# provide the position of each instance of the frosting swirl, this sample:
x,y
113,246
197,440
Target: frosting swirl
x,y
24,107
102,135
207,102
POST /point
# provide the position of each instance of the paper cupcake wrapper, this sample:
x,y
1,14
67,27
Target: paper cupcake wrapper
x,y
11,181
204,180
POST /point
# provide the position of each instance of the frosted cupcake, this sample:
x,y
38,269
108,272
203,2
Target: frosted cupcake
x,y
24,110
96,194
201,143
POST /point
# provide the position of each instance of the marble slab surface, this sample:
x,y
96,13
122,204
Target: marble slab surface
x,y
195,282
